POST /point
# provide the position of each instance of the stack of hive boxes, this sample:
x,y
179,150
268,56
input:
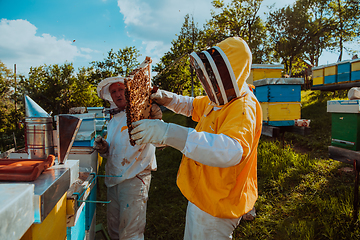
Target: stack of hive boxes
x,y
280,100
318,76
336,73
355,70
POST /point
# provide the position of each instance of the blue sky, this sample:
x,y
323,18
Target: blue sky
x,y
38,32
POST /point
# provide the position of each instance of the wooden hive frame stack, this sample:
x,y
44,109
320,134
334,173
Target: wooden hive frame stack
x,y
137,94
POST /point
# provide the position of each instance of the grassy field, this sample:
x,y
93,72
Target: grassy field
x,y
302,193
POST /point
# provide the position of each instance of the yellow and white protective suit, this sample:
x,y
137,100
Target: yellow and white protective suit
x,y
218,172
128,169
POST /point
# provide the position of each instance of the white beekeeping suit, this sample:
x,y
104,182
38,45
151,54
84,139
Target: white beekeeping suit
x,y
128,169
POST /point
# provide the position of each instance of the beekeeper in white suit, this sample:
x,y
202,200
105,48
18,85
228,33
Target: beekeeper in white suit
x,y
218,171
128,168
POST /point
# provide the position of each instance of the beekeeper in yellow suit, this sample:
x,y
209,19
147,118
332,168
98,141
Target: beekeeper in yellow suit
x,y
218,171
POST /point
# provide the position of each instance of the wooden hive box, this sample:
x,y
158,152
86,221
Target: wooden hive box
x,y
355,70
343,71
330,74
318,75
280,100
345,123
261,71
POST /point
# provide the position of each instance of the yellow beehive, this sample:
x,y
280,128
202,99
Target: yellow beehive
x,y
330,70
261,71
355,70
330,73
280,111
54,225
355,65
318,75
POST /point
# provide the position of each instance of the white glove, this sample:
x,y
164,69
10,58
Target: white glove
x,y
101,145
155,112
162,97
159,132
177,103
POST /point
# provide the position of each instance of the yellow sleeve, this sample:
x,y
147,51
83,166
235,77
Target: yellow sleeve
x,y
199,105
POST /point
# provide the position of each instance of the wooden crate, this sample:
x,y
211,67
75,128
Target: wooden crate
x,y
355,70
343,71
261,71
345,130
318,75
285,112
330,74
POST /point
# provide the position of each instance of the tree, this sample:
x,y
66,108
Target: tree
x,y
174,72
320,26
119,63
346,23
297,33
239,18
57,89
7,106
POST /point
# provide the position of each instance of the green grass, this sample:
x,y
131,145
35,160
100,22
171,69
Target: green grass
x,y
314,107
302,193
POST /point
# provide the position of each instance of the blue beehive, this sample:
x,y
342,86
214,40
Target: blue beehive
x,y
279,99
330,73
90,208
343,71
278,89
77,232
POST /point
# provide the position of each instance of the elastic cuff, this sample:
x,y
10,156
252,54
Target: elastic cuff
x,y
176,136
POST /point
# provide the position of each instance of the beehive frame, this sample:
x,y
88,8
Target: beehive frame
x,y
137,94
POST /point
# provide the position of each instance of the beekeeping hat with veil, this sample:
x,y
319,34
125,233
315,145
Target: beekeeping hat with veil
x,y
223,69
103,89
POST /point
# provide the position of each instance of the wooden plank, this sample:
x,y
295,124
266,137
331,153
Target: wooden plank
x,y
334,87
343,155
270,131
296,129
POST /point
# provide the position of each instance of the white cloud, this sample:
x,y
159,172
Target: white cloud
x,y
162,19
155,24
20,45
88,50
155,49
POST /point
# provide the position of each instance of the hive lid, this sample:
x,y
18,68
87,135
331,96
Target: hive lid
x,y
267,66
269,81
32,109
67,128
343,106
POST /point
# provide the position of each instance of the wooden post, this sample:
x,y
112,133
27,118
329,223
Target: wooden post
x,y
14,141
356,191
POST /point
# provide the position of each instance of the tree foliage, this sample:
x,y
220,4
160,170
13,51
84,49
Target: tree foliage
x,y
239,18
7,104
56,88
174,71
119,63
308,27
345,19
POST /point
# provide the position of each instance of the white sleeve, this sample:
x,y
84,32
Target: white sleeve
x,y
216,150
181,104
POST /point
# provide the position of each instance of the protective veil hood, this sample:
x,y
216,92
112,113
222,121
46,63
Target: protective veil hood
x,y
103,89
223,69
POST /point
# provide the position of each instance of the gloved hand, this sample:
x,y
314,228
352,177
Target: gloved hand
x,y
155,112
101,145
176,103
162,97
158,132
